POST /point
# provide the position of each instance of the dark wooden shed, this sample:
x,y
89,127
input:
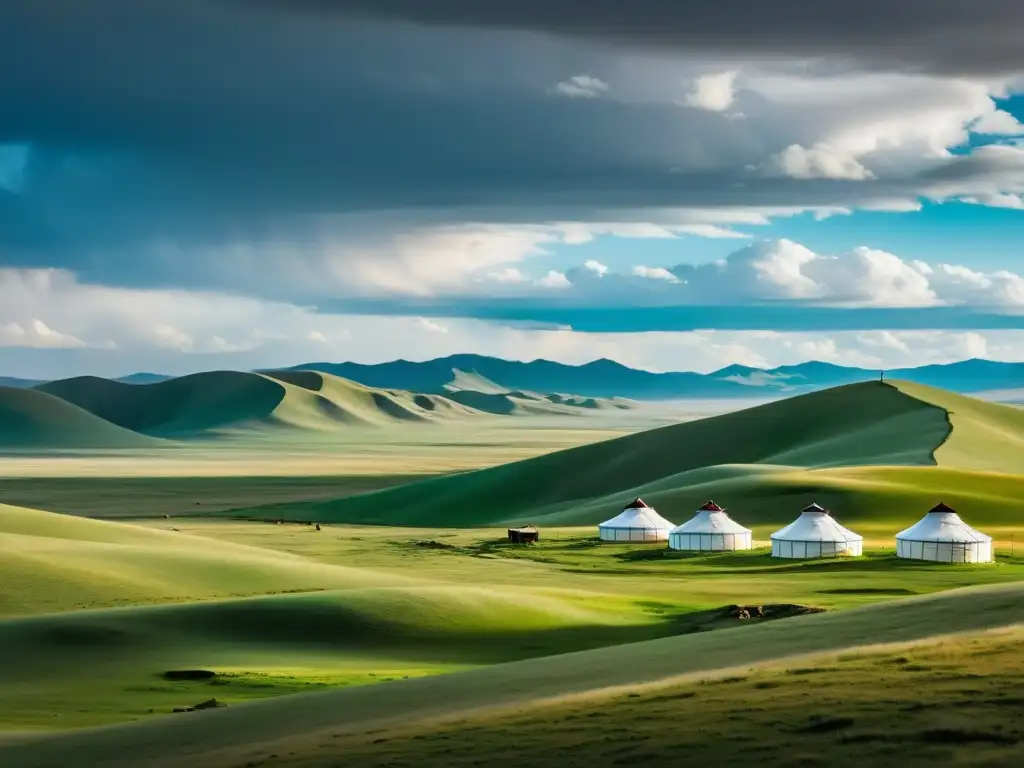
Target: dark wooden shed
x,y
526,535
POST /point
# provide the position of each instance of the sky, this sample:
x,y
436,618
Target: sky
x,y
197,184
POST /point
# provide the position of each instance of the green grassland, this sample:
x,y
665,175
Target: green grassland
x,y
58,563
295,725
292,608
951,701
408,629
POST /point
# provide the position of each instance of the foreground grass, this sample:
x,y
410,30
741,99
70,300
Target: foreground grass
x,y
128,693
952,702
371,602
298,725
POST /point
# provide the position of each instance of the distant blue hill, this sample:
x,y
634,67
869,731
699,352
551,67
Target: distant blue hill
x,y
132,378
143,378
12,381
606,378
600,378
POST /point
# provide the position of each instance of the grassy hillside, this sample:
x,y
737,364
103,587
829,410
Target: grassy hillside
x,y
229,402
55,562
221,401
986,436
860,424
94,667
864,449
898,705
310,725
31,420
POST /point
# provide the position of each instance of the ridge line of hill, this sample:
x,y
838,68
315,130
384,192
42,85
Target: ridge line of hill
x,y
855,425
225,403
945,413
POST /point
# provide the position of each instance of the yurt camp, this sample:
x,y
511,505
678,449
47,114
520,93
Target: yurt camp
x,y
943,537
637,522
815,534
710,530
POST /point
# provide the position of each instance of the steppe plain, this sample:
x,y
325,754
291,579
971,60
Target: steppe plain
x,y
147,531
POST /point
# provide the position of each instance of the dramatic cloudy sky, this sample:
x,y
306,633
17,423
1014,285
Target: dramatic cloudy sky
x,y
188,184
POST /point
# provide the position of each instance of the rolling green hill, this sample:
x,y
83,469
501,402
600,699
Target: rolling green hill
x,y
58,562
860,447
862,424
199,403
310,724
31,420
229,402
218,402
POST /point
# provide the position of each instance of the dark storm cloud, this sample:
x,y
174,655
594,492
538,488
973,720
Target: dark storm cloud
x,y
210,123
200,122
939,35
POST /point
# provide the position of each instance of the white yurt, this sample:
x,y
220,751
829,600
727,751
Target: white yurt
x,y
711,529
815,534
637,522
942,536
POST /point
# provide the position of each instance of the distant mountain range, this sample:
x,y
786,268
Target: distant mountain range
x,y
607,378
132,378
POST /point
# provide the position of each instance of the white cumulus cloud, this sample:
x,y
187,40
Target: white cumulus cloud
x,y
554,279
654,273
582,87
818,162
782,270
714,93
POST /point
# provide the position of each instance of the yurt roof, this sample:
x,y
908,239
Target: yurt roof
x,y
815,524
638,518
942,507
637,503
710,518
942,525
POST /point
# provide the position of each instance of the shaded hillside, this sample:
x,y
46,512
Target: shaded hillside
x,y
218,401
227,402
187,405
32,420
861,424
